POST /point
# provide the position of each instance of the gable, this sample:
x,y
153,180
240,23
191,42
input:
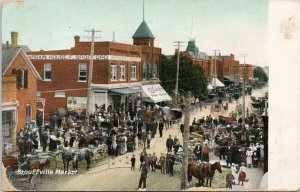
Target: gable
x,y
20,60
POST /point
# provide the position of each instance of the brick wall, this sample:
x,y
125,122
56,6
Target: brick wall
x,y
25,96
9,89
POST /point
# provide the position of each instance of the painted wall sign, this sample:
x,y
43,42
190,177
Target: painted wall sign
x,y
84,57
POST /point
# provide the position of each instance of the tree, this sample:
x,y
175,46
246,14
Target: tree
x,y
191,77
259,73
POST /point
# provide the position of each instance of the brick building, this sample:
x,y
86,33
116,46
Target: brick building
x,y
119,72
19,87
198,58
248,72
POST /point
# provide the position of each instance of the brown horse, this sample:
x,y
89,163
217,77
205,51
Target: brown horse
x,y
211,172
198,170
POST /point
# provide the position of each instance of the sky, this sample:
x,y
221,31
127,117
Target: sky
x,y
231,26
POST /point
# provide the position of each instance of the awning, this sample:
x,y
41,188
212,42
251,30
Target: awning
x,y
125,91
209,87
216,82
155,93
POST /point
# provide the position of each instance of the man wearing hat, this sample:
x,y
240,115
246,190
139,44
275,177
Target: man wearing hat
x,y
169,143
198,150
143,177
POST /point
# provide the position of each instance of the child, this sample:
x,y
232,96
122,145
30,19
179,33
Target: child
x,y
229,180
242,174
132,163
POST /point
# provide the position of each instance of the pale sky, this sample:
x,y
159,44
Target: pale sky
x,y
231,26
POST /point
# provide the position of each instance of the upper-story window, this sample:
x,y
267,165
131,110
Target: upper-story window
x,y
47,72
28,113
145,70
154,71
113,72
82,72
22,78
133,72
123,72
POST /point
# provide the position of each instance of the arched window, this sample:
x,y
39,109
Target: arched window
x,y
145,71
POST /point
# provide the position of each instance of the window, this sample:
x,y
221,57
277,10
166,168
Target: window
x,y
28,113
145,71
123,72
113,72
47,72
154,71
22,76
133,72
82,72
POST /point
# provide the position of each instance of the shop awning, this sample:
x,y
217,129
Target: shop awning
x,y
125,91
209,87
215,82
155,93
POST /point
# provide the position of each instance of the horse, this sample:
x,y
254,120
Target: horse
x,y
211,172
79,155
67,156
200,171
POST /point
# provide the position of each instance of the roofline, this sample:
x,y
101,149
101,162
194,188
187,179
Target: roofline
x,y
27,60
11,61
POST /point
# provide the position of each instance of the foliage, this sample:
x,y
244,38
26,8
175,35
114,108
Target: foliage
x,y
259,73
191,77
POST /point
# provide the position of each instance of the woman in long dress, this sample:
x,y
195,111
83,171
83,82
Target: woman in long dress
x,y
249,157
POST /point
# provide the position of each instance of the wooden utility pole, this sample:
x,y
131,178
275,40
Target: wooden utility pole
x,y
244,105
90,77
185,161
177,70
215,69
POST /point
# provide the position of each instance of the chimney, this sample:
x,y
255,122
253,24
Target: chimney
x,y
14,39
77,39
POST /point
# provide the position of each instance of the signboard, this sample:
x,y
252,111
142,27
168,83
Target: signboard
x,y
83,57
156,93
76,103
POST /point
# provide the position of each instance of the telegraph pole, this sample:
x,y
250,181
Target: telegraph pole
x,y
215,69
90,77
243,112
177,71
184,177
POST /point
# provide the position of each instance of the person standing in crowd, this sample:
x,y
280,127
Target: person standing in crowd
x,y
169,143
142,158
182,128
148,161
153,161
205,152
171,165
143,177
148,139
198,151
44,140
249,157
132,162
229,180
161,127
242,174
162,162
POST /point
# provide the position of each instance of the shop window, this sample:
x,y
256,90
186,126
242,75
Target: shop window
x,y
28,113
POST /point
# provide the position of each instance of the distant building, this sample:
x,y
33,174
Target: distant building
x,y
198,58
19,89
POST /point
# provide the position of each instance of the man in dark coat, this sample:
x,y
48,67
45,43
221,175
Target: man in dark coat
x,y
198,151
44,140
169,143
171,165
143,177
161,127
